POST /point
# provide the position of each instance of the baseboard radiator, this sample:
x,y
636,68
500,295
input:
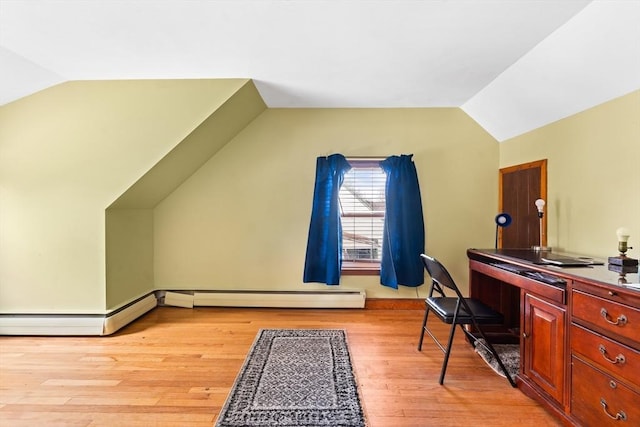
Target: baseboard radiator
x,y
128,314
267,299
76,324
107,324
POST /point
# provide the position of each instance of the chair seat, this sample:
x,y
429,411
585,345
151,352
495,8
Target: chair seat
x,y
445,309
470,312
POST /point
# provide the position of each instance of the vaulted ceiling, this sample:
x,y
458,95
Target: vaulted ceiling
x,y
512,65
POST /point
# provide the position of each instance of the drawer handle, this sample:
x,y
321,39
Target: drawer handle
x,y
620,415
619,358
621,320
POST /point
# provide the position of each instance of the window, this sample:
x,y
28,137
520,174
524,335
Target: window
x,y
362,208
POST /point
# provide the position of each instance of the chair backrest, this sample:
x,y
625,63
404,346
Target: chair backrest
x,y
439,274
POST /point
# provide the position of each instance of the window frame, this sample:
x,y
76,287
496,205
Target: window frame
x,y
362,268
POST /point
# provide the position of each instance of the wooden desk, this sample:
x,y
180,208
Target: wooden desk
x,y
579,341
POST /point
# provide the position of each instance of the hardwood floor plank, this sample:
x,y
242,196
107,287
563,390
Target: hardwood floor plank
x,y
175,367
65,382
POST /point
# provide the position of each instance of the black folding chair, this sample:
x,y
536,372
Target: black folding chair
x,y
454,311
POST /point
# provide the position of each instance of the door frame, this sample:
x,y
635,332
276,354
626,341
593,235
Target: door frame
x,y
542,165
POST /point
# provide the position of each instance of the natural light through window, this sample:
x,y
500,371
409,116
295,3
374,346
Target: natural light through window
x,y
362,207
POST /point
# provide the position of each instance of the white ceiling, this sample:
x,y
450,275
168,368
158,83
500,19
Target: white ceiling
x,y
512,65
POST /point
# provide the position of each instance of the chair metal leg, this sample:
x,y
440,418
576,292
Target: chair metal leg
x,y
447,353
495,354
424,324
502,367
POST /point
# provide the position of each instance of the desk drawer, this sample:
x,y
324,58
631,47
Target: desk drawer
x,y
597,399
610,356
610,316
613,293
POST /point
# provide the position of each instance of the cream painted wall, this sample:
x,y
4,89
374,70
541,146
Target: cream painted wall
x,y
66,154
129,227
241,221
129,255
593,175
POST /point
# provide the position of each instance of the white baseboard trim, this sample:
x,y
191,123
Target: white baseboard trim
x,y
177,299
51,324
128,314
284,299
75,324
107,324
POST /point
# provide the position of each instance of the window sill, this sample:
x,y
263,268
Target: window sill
x,y
350,268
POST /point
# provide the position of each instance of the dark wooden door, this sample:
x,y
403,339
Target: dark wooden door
x,y
520,187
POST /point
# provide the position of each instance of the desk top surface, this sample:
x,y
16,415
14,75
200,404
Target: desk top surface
x,y
529,257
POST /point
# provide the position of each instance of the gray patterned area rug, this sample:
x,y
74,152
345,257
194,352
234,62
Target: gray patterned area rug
x,y
295,377
509,354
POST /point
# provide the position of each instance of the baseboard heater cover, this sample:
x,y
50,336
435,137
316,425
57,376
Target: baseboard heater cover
x,y
177,299
283,299
100,324
75,324
129,314
51,324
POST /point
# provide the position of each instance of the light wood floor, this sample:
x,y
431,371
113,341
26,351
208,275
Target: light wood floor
x,y
175,367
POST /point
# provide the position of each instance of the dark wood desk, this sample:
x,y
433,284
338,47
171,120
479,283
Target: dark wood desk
x,y
579,340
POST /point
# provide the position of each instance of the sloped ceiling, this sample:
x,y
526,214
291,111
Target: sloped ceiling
x,y
512,65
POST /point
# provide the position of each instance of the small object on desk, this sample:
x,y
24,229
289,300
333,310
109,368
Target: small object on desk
x,y
622,269
540,207
545,278
502,220
623,261
511,267
567,261
622,258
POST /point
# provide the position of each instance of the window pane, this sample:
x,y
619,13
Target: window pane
x,y
362,203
